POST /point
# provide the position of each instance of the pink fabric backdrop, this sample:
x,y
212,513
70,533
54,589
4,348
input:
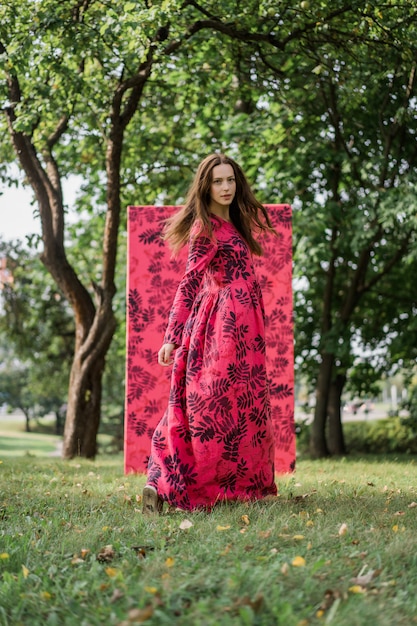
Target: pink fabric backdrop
x,y
152,279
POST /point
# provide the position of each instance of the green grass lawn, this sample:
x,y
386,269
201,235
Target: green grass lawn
x,y
337,546
15,444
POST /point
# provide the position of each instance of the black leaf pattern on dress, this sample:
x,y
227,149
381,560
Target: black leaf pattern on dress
x,y
219,387
233,439
220,406
239,373
198,248
258,417
203,432
154,473
188,474
243,297
258,438
196,403
257,376
229,326
258,481
242,468
228,481
159,440
259,344
245,400
184,433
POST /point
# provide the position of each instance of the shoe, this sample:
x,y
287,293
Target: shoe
x,y
151,503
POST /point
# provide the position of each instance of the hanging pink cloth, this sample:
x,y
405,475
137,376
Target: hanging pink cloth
x,y
228,409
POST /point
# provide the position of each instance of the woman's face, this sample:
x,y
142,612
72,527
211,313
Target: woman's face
x,y
223,186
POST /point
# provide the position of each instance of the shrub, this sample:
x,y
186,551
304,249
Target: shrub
x,y
393,435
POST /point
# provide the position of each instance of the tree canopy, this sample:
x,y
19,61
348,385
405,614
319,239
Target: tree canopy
x,y
316,100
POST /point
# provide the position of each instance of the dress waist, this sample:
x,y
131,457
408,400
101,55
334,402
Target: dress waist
x,y
211,285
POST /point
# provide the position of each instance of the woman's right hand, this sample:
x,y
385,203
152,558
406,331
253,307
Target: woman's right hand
x,y
165,357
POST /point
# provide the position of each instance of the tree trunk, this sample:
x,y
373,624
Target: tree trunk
x,y
336,442
27,421
318,445
84,407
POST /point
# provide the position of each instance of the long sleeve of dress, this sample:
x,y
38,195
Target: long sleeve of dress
x,y
201,252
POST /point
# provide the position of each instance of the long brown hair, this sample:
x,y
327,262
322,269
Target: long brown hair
x,y
246,213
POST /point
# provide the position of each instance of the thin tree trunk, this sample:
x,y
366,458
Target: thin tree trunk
x,y
27,421
84,407
318,445
336,441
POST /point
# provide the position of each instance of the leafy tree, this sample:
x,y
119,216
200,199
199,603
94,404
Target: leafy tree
x,y
316,100
74,74
37,331
351,117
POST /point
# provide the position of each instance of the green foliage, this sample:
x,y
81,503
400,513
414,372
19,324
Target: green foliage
x,y
75,549
37,336
394,435
315,99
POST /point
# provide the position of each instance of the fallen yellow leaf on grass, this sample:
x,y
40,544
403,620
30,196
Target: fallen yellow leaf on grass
x,y
45,595
245,520
223,528
169,562
357,589
151,590
310,523
4,556
25,571
111,572
298,561
395,528
298,537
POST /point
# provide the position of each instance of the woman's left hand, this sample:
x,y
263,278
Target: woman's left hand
x,y
165,357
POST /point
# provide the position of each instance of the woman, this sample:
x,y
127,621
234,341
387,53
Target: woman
x,y
215,441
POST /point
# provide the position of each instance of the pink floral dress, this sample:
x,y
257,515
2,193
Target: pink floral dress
x,y
215,440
